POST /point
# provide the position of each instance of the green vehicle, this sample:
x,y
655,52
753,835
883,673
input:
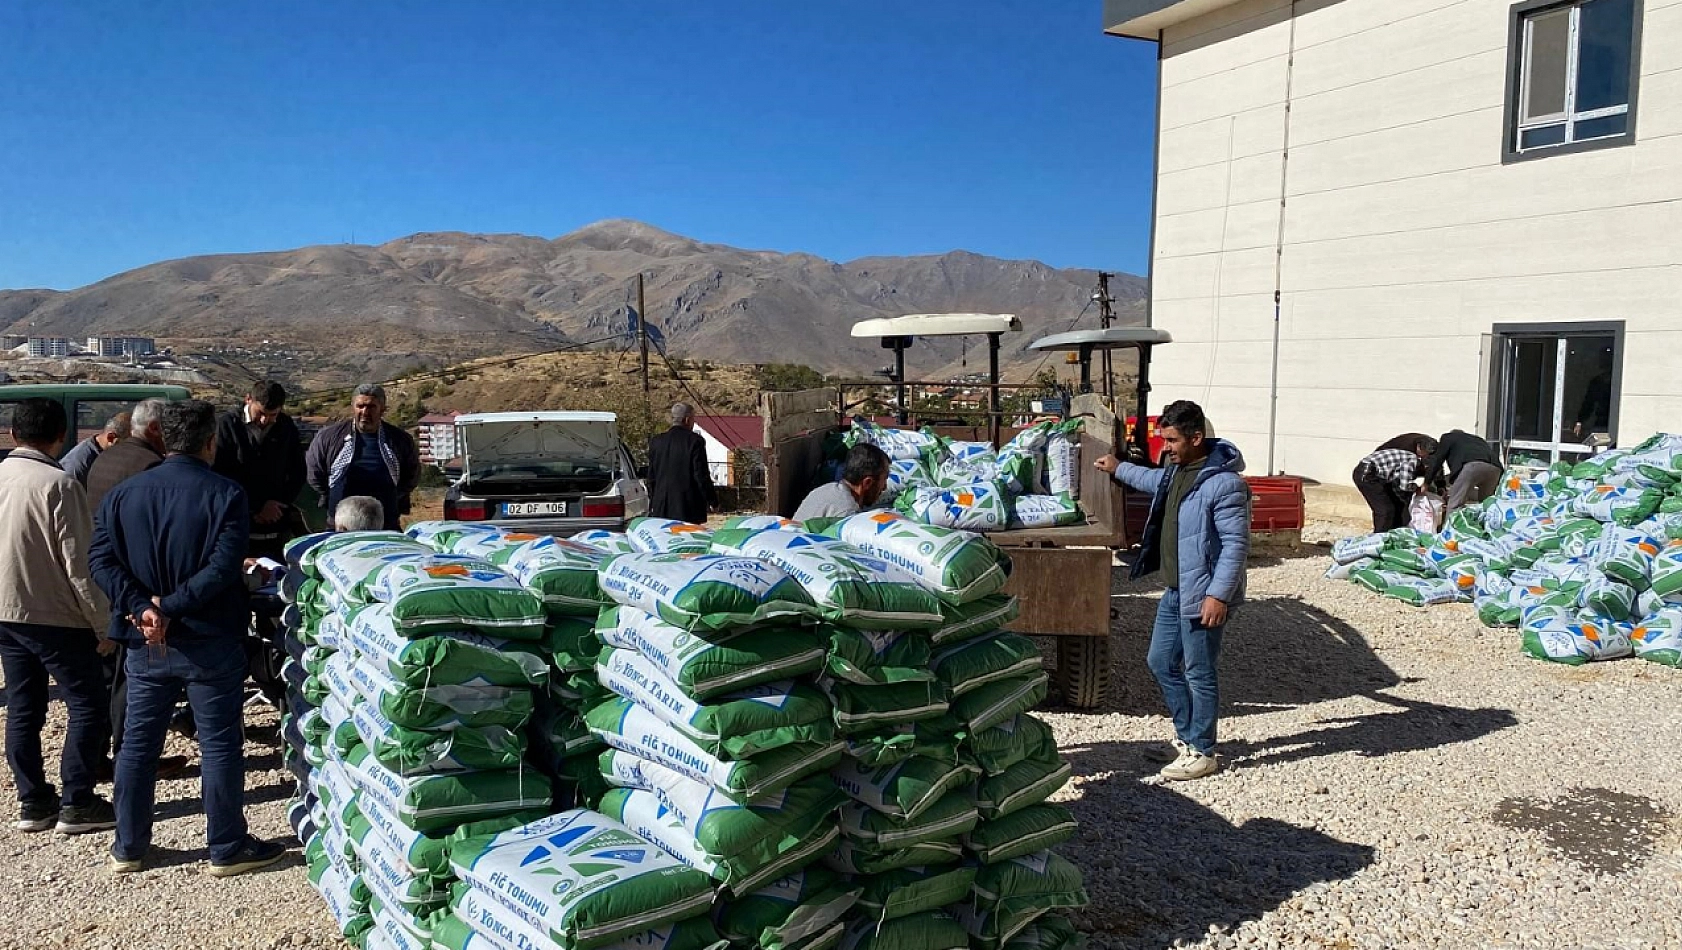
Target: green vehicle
x,y
88,406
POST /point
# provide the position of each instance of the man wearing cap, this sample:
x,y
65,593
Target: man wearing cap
x,y
679,485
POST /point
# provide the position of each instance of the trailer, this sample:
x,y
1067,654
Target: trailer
x,y
1062,576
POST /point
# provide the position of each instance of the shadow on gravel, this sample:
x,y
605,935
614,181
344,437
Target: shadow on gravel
x,y
1176,868
1417,726
194,805
1278,653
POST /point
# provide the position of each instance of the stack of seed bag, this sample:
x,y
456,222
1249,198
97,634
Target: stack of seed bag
x,y
720,742
1032,482
946,774
562,573
577,880
423,699
1585,559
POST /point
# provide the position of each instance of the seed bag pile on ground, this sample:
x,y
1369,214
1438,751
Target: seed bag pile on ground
x,y
719,739
946,774
419,674
563,573
1032,482
1585,559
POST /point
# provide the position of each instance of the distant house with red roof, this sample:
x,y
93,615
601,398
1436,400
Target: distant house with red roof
x,y
729,440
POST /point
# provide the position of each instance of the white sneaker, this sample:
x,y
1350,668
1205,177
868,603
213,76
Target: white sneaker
x,y
1192,765
1174,751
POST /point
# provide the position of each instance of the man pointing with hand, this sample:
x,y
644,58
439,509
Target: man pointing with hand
x,y
1198,535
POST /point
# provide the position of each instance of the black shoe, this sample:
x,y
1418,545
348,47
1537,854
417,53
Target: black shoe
x,y
253,855
36,816
97,815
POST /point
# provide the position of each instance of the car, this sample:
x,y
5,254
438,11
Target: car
x,y
87,405
555,473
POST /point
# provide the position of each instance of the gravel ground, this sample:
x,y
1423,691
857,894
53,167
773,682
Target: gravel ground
x,y
1396,778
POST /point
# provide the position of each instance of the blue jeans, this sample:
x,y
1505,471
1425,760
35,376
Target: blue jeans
x,y
1182,657
29,653
212,672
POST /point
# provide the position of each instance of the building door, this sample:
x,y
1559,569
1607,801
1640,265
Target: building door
x,y
1558,386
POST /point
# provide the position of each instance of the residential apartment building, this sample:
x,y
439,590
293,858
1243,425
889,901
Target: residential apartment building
x,y
48,347
1375,217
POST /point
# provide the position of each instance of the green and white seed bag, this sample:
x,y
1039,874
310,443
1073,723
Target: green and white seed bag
x,y
582,879
914,891
338,886
629,727
974,506
350,563
445,659
561,572
804,910
865,709
421,752
935,738
848,585
608,542
1658,639
1044,511
745,845
1002,746
1022,832
645,813
431,802
476,922
706,592
444,536
389,881
713,664
668,536
976,618
1028,782
929,931
436,707
877,658
968,666
984,708
958,566
425,853
444,593
854,859
733,726
948,819
1033,883
759,523
905,790
1047,932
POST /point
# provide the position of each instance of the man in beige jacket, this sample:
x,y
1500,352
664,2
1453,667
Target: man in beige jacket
x,y
52,623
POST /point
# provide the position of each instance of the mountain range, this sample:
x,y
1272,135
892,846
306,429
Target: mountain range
x,y
436,298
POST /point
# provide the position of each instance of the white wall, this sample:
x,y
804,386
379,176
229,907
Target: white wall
x,y
718,458
1405,238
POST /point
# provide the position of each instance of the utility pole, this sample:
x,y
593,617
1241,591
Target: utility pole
x,y
642,335
1106,314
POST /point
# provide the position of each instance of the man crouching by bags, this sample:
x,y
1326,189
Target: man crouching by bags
x,y
1198,535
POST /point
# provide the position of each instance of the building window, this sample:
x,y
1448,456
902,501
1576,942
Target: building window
x,y
1573,80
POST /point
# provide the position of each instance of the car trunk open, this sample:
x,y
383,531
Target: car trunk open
x,y
538,459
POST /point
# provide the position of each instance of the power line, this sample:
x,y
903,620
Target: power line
x,y
1066,329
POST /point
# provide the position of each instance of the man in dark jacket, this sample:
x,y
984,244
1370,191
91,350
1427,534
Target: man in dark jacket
x,y
365,455
679,484
1198,536
143,449
258,446
169,550
1474,468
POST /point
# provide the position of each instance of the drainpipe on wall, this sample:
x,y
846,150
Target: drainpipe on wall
x,y
1279,248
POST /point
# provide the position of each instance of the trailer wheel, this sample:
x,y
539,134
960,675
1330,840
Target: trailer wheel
x,y
1083,665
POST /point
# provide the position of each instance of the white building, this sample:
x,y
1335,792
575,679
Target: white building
x,y
731,441
121,345
435,438
48,347
1375,217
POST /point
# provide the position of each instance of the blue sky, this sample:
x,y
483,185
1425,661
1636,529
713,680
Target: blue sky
x,y
132,132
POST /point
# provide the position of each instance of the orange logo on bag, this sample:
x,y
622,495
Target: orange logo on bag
x,y
684,529
522,537
445,570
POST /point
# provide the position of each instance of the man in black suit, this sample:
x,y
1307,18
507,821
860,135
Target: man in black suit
x,y
679,485
258,446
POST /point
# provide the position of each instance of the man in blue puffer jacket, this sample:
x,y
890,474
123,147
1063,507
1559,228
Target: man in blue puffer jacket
x,y
1198,535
